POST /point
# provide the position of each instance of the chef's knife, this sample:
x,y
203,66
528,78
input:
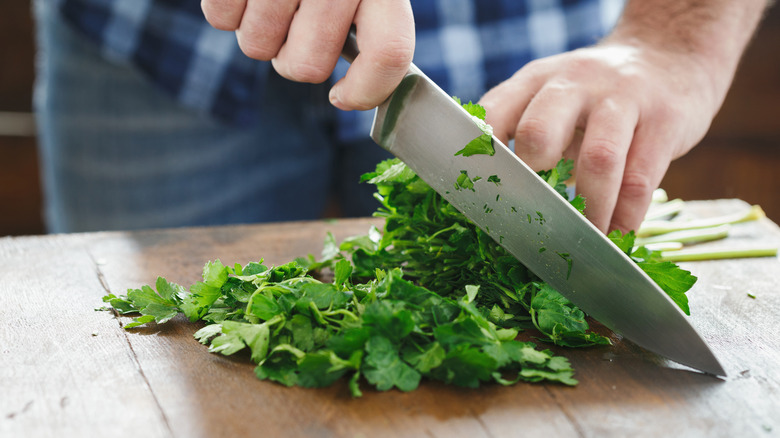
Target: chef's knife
x,y
424,127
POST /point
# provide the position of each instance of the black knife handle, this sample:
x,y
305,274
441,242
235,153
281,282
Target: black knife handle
x,y
350,50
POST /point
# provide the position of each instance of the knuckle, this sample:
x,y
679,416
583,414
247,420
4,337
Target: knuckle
x,y
262,40
561,86
256,48
395,55
581,63
533,135
613,106
600,156
219,15
631,75
220,23
668,114
636,190
357,101
311,72
532,68
636,185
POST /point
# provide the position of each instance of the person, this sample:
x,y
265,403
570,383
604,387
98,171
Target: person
x,y
246,130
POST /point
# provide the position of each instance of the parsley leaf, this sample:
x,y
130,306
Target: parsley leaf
x,y
482,145
385,369
672,279
464,182
474,109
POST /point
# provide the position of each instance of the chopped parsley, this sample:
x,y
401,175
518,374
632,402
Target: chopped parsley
x,y
430,296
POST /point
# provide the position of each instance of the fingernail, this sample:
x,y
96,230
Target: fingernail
x,y
334,97
275,65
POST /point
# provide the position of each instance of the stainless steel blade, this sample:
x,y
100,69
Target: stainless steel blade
x,y
424,127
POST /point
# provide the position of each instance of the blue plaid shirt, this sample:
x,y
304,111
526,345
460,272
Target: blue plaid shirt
x,y
465,46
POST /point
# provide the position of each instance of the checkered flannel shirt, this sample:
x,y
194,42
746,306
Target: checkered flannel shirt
x,y
465,46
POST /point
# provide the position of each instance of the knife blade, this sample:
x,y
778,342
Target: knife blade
x,y
424,127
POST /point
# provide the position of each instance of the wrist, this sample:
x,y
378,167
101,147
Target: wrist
x,y
707,36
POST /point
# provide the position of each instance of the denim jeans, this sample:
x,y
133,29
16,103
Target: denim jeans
x,y
117,153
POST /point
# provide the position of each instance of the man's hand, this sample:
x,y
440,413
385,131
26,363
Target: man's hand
x,y
624,109
303,40
620,111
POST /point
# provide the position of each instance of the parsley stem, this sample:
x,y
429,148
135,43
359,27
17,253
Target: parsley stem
x,y
652,228
658,211
687,236
660,195
699,254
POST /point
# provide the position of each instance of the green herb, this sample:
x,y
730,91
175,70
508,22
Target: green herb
x,y
670,236
674,280
651,228
687,236
557,177
567,258
476,110
697,254
389,331
464,182
482,145
429,296
443,251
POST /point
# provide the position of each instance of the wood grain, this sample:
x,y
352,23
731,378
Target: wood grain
x,y
68,370
65,367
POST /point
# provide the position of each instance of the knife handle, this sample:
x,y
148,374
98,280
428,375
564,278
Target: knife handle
x,y
350,50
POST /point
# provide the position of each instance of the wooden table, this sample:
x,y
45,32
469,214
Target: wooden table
x,y
68,370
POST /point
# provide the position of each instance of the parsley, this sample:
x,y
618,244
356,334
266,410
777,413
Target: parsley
x,y
482,145
387,330
672,279
442,250
430,296
464,182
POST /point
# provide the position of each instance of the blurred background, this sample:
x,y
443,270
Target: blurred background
x,y
739,158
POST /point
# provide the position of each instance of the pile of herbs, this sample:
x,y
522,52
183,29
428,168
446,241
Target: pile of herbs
x,y
430,295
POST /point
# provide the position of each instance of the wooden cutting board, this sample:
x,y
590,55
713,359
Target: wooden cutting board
x,y
69,370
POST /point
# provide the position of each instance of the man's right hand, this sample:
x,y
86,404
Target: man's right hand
x,y
303,40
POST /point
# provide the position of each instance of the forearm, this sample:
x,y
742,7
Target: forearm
x,y
710,33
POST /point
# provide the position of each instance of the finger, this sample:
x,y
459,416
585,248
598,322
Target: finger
x,y
547,126
264,27
646,164
505,103
223,14
315,40
385,37
602,158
